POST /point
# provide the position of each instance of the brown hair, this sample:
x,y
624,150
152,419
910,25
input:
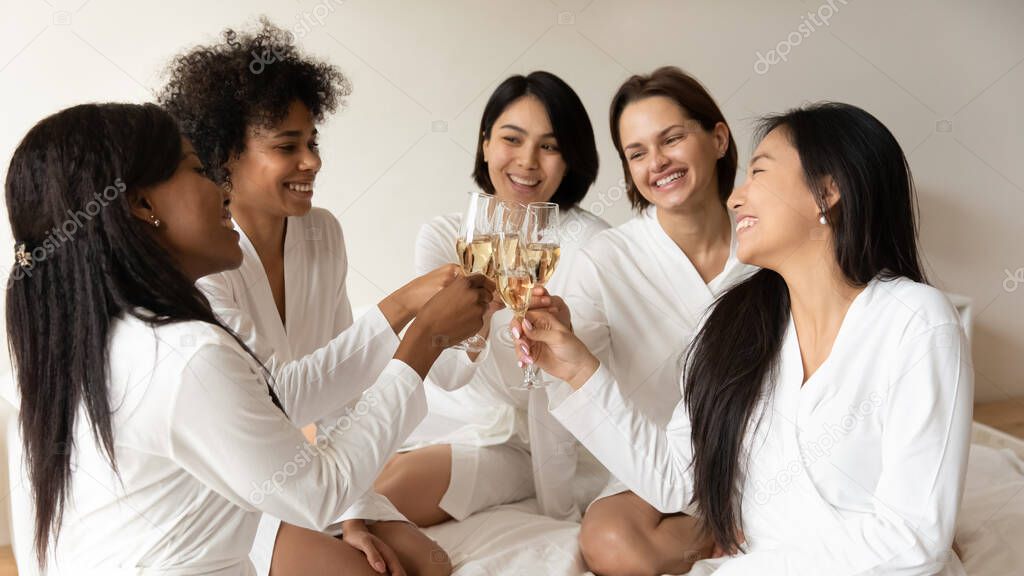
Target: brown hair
x,y
694,99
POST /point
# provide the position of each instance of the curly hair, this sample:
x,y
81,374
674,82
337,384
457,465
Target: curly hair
x,y
218,91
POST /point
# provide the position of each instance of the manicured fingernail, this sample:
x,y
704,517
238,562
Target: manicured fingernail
x,y
527,325
379,566
520,363
529,359
515,332
526,351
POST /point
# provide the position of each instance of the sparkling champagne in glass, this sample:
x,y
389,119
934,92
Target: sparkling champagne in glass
x,y
515,277
475,249
543,249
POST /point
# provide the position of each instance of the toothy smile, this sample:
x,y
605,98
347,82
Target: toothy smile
x,y
299,186
662,182
523,181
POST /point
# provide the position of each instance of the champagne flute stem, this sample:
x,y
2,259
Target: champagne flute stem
x,y
531,371
530,376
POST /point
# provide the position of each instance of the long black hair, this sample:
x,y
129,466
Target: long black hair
x,y
85,260
732,362
569,122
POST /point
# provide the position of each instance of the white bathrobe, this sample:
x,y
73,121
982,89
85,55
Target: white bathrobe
x,y
318,338
202,452
857,471
636,302
492,413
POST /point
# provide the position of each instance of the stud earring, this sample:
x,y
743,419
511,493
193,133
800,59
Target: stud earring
x,y
154,221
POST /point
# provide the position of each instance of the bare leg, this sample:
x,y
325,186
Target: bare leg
x,y
622,535
416,481
301,551
419,555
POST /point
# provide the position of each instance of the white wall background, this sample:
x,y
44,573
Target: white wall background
x,y
945,76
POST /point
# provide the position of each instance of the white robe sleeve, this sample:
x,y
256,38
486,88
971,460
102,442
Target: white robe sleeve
x,y
225,431
323,381
924,457
653,462
434,248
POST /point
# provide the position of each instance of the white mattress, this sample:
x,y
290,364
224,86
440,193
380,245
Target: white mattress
x,y
514,540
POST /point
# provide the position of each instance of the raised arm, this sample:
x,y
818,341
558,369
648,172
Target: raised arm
x,y
255,451
323,381
652,461
260,461
435,246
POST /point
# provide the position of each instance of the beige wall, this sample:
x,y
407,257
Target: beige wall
x,y
945,76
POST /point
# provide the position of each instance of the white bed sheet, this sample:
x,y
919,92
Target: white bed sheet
x,y
514,540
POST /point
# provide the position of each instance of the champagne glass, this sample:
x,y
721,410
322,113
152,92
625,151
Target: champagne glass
x,y
543,249
475,248
516,277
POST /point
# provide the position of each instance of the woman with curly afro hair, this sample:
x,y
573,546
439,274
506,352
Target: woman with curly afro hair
x,y
251,104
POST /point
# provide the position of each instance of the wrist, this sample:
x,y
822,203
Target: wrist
x,y
395,310
585,372
421,347
353,526
485,329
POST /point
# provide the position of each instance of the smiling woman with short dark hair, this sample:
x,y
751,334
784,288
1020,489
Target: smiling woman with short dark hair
x,y
535,144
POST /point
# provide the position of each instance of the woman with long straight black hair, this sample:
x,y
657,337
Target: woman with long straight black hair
x,y
153,439
826,410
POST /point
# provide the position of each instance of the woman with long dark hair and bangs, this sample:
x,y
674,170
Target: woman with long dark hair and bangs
x,y
535,144
256,129
153,437
826,415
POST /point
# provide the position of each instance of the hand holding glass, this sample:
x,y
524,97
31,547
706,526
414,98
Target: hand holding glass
x,y
475,247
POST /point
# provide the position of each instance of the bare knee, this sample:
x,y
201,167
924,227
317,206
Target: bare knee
x,y
396,478
616,549
416,482
387,473
413,470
